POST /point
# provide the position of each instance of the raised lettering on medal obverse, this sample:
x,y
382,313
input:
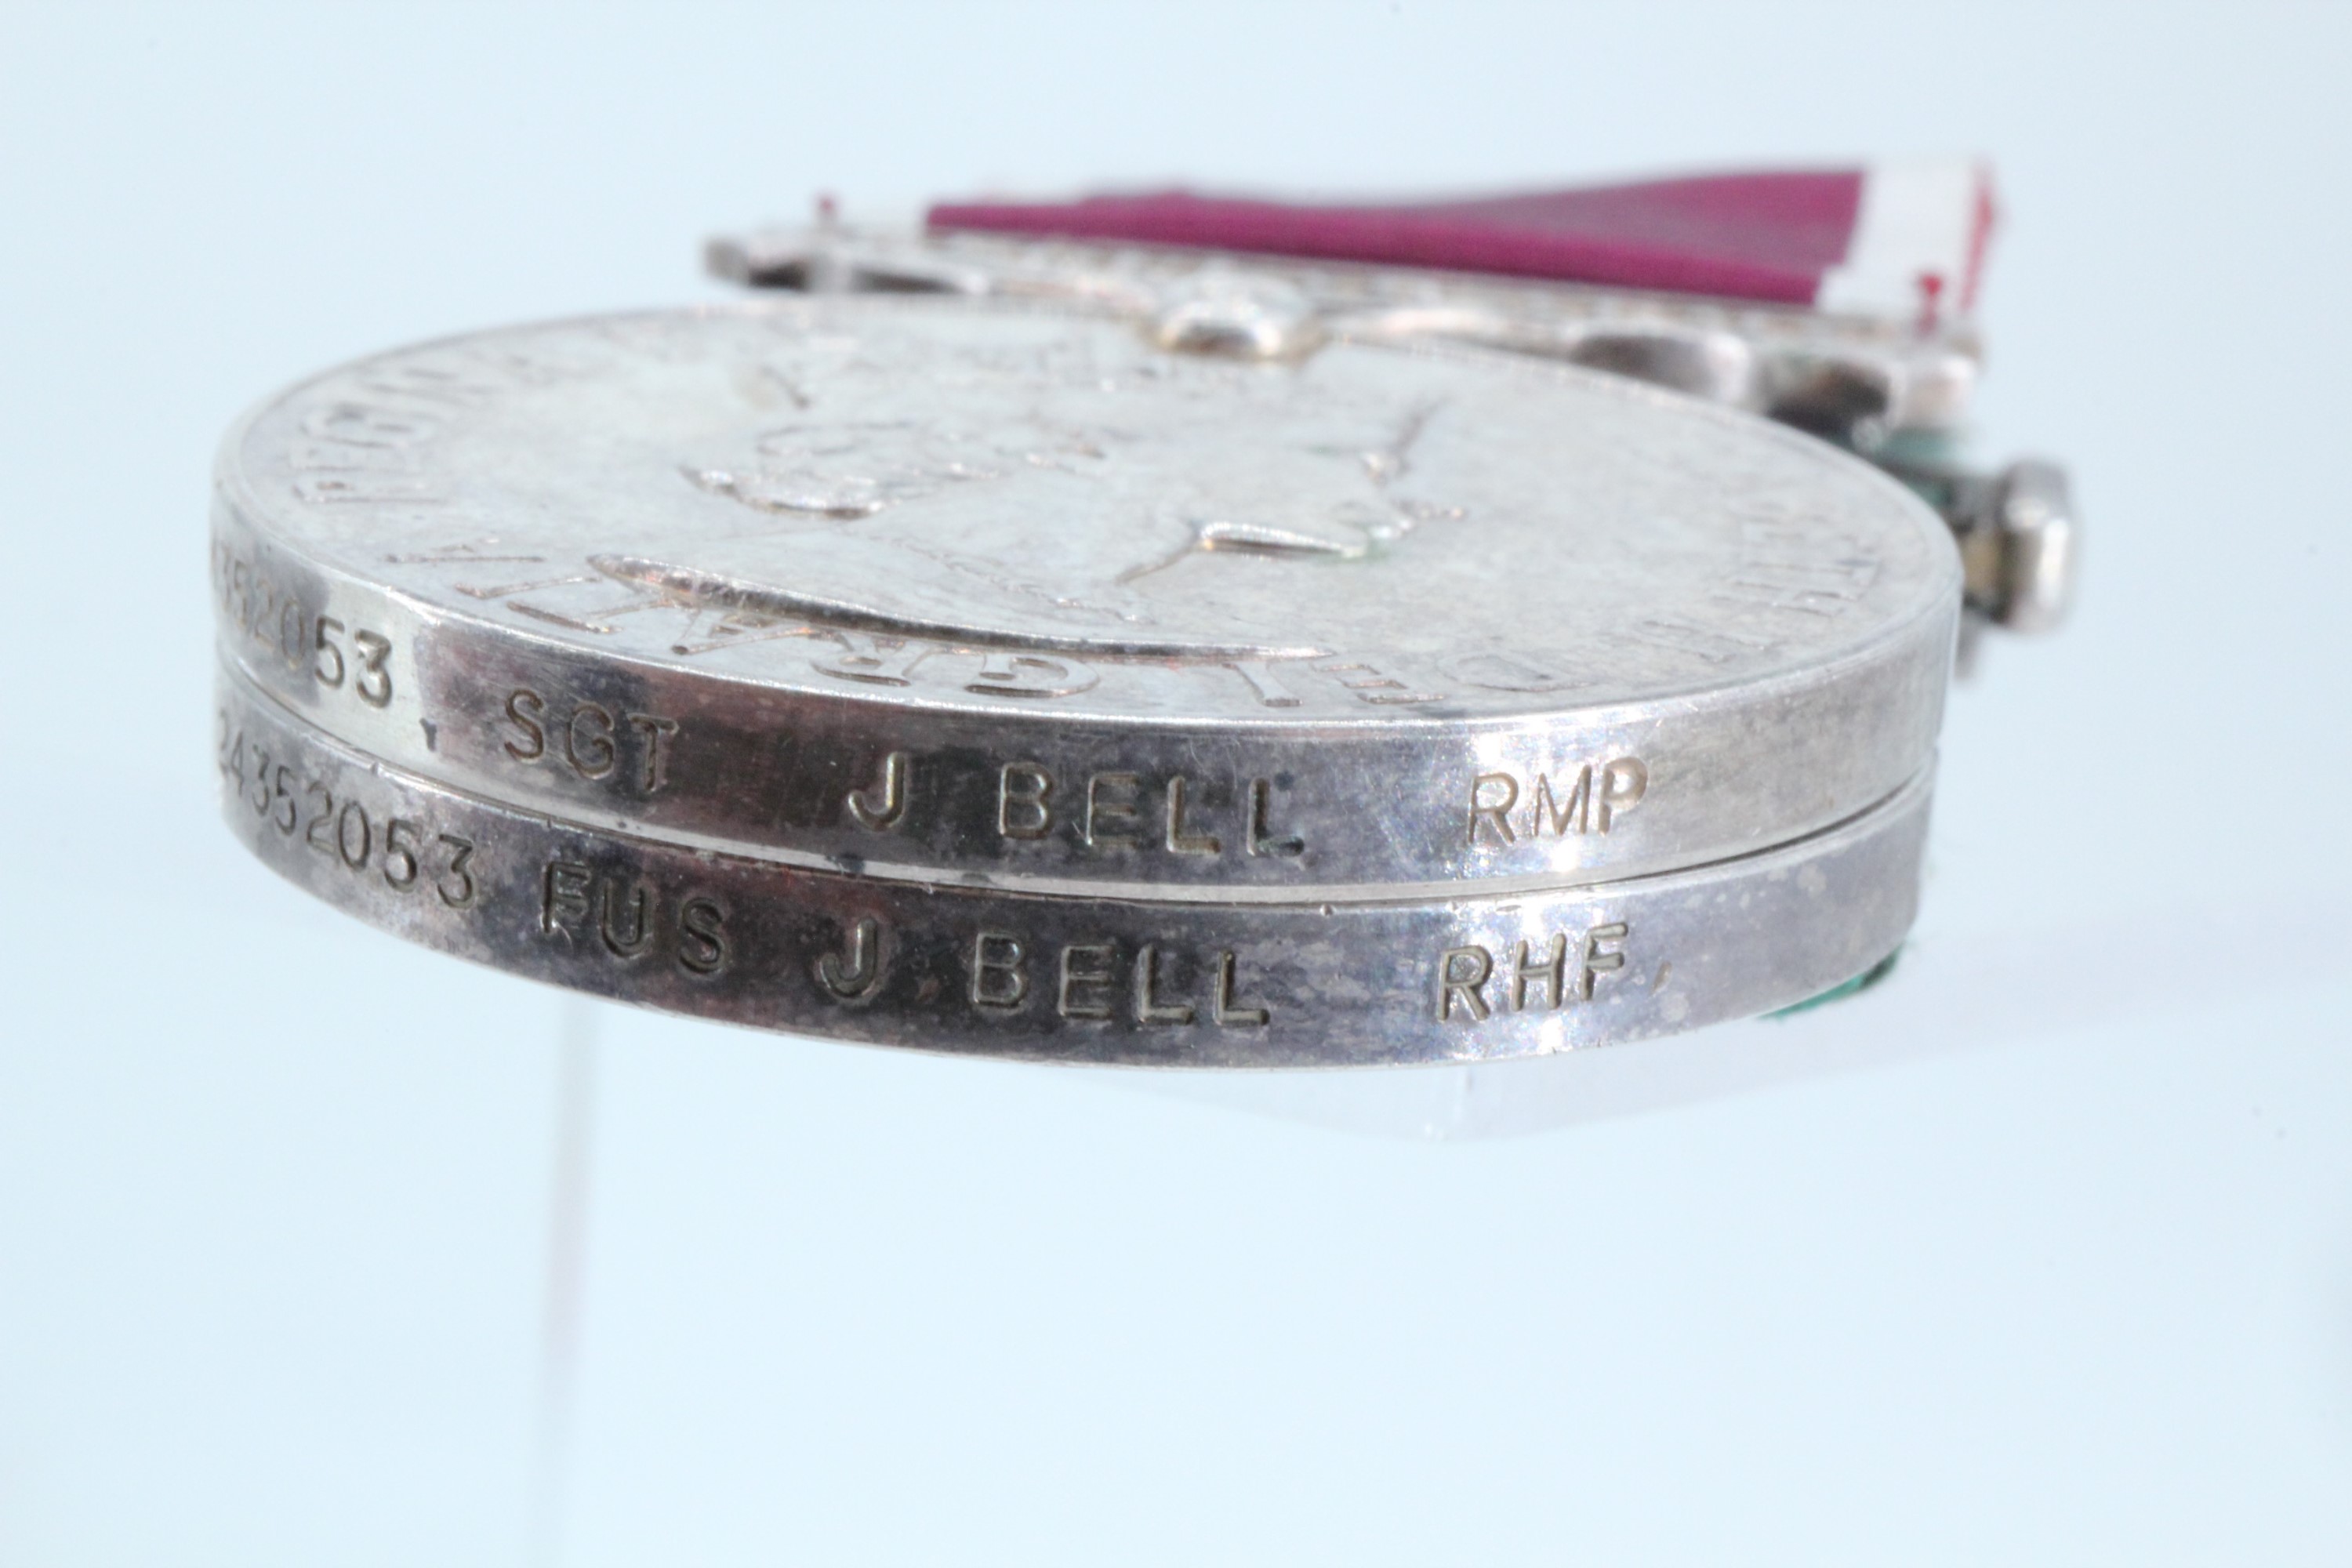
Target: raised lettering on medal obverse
x,y
1000,504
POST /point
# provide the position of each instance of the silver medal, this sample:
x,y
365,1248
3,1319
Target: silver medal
x,y
1019,596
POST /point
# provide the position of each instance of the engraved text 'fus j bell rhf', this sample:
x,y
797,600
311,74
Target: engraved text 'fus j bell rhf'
x,y
1117,656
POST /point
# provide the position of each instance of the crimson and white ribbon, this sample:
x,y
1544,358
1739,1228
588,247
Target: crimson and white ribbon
x,y
1898,239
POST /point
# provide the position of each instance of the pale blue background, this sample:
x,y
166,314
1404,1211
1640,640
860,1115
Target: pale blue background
x,y
2064,1276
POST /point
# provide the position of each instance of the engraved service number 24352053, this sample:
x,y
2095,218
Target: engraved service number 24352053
x,y
404,853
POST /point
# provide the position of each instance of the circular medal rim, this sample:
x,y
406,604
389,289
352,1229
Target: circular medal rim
x,y
1937,598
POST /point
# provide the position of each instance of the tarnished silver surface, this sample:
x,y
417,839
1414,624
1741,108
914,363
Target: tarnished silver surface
x,y
1895,391
949,968
1018,596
